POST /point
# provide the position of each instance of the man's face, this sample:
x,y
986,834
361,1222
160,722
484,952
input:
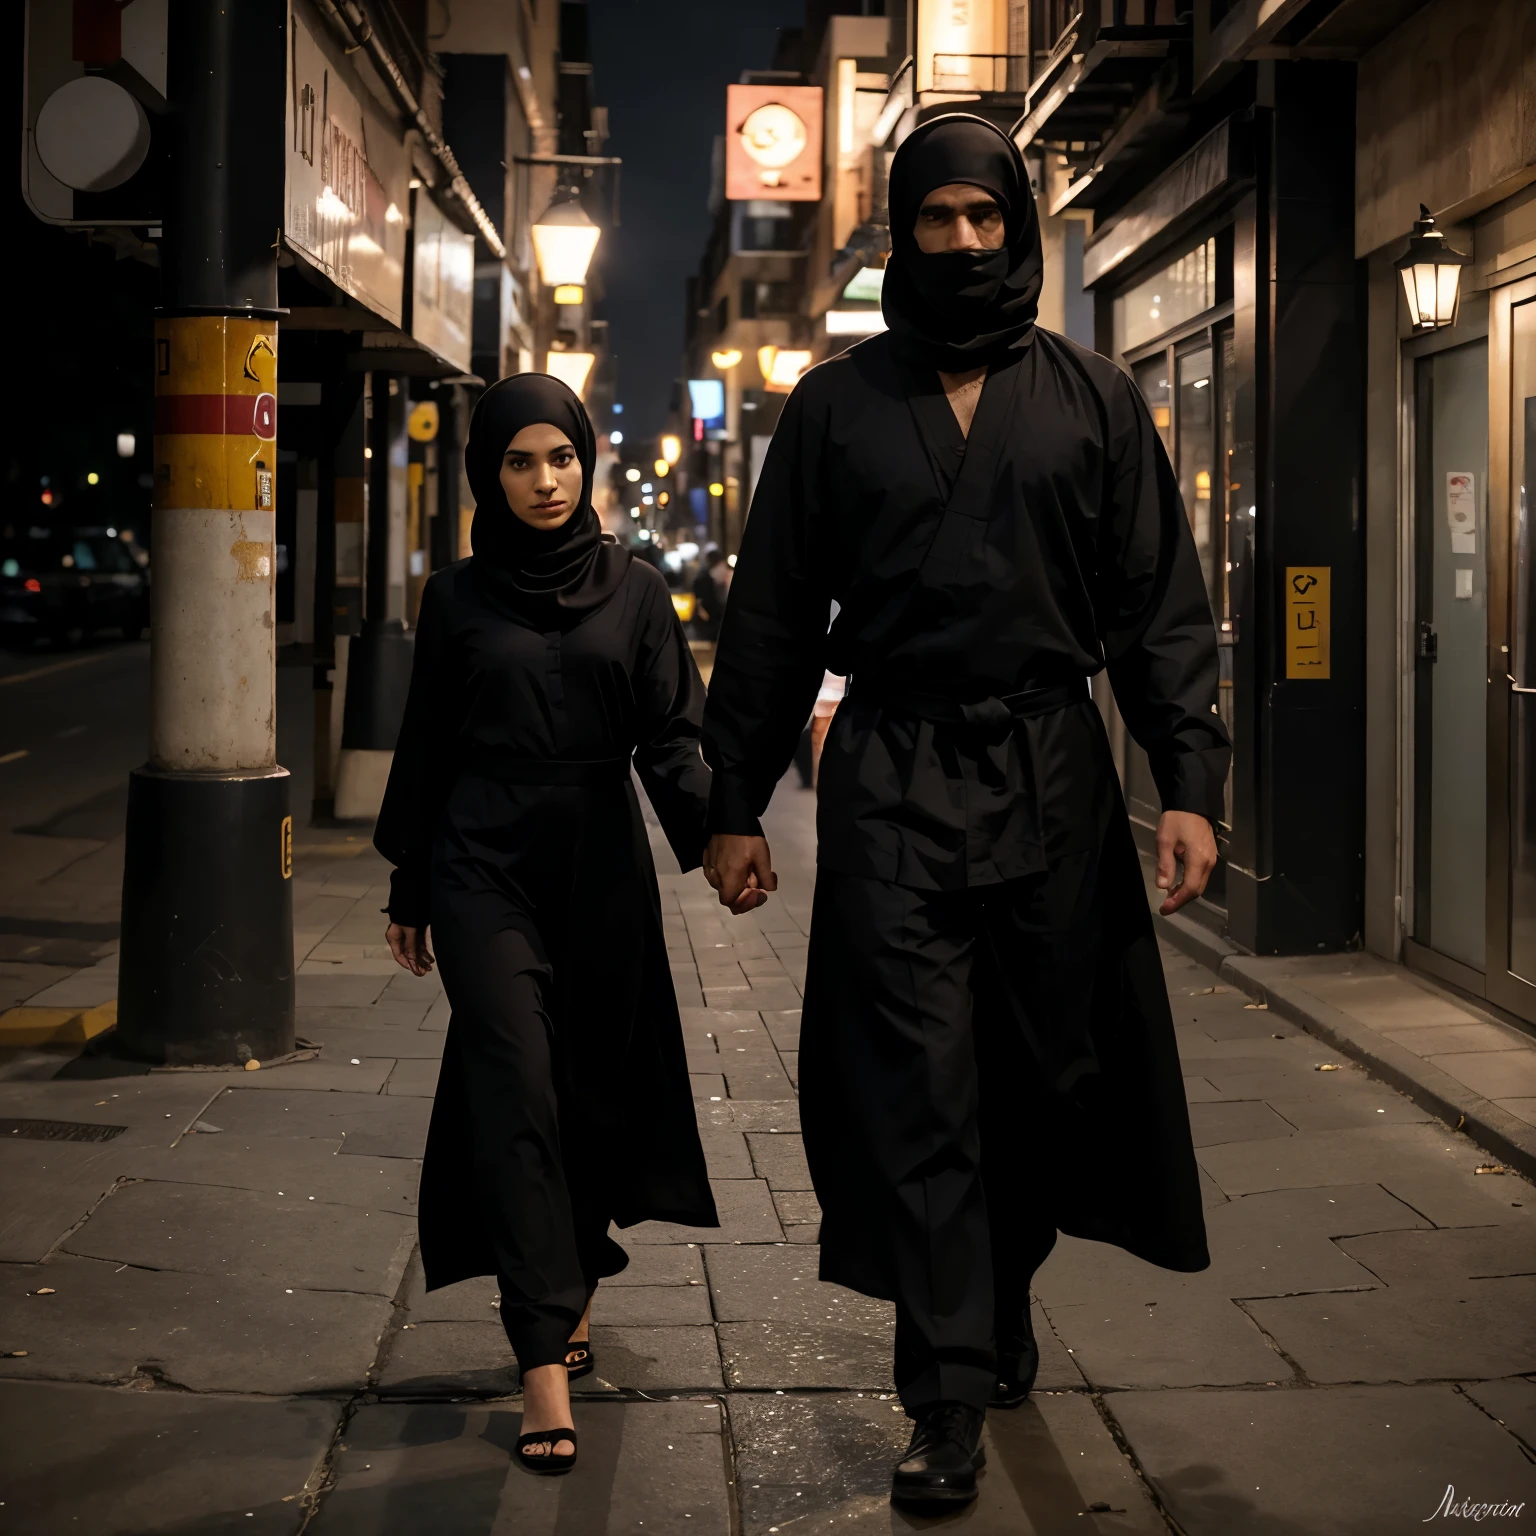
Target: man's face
x,y
959,217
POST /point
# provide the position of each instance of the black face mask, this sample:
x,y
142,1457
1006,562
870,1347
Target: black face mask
x,y
960,287
956,310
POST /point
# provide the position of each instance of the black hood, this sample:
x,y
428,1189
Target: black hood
x,y
956,310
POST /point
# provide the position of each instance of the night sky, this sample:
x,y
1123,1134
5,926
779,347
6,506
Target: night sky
x,y
661,67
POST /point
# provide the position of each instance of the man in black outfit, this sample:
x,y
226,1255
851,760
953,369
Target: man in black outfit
x,y
987,1052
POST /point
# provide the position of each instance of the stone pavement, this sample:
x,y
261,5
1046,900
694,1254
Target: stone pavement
x,y
212,1320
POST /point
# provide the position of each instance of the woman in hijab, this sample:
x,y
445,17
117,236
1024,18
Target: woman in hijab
x,y
987,1053
546,666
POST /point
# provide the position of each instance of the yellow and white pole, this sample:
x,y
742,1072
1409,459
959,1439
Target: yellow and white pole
x,y
206,972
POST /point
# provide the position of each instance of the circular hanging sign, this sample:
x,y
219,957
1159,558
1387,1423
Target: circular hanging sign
x,y
92,134
773,136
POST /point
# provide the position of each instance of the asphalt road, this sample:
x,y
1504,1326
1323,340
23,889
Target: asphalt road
x,y
72,725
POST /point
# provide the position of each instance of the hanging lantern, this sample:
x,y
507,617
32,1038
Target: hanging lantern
x,y
563,242
572,368
1431,273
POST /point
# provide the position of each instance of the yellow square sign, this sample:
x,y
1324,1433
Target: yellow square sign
x,y
1308,620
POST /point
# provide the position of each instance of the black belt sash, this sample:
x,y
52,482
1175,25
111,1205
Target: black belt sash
x,y
996,714
507,767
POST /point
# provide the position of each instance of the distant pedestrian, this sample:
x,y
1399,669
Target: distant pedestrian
x,y
710,589
987,1053
545,665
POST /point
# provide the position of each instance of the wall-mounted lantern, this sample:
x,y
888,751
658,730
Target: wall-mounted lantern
x,y
563,242
1431,273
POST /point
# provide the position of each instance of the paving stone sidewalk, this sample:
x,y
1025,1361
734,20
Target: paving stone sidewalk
x,y
212,1319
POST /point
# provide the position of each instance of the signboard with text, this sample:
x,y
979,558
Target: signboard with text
x,y
442,283
348,184
1308,621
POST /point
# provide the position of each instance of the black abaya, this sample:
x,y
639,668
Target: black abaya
x,y
563,1102
987,1046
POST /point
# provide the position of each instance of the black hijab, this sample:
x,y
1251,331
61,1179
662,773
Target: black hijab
x,y
551,578
955,310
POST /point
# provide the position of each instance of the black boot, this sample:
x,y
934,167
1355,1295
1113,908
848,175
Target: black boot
x,y
942,1461
1018,1363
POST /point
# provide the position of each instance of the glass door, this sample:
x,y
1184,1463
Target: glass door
x,y
1451,654
1152,376
1512,636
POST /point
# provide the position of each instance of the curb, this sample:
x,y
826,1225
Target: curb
x,y
26,1026
1506,1136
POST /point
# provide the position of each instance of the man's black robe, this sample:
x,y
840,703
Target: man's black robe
x,y
1050,544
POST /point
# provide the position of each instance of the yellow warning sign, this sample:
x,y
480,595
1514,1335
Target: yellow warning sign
x,y
1308,620
421,424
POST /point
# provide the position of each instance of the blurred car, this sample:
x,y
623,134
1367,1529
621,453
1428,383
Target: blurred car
x,y
63,584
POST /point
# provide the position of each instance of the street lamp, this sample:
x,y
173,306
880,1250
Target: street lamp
x,y
671,448
1431,273
564,239
572,368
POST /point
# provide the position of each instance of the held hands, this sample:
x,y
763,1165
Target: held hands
x,y
741,871
1183,837
409,947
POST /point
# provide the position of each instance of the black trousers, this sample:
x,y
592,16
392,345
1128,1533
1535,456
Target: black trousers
x,y
534,1189
937,1026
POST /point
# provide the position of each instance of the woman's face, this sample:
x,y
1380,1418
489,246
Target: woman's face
x,y
542,476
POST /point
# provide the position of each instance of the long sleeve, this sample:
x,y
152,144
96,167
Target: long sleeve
x,y
1155,618
669,694
421,773
769,663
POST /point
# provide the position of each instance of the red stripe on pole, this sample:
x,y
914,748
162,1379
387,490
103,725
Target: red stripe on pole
x,y
220,415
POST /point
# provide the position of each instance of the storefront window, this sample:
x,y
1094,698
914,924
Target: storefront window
x,y
1180,291
1522,721
1152,380
1197,455
1233,546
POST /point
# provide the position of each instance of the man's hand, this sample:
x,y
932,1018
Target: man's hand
x,y
741,871
409,947
1183,837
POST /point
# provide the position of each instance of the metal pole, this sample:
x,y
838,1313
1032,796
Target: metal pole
x,y
207,921
379,659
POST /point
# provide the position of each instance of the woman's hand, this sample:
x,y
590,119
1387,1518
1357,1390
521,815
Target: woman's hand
x,y
409,947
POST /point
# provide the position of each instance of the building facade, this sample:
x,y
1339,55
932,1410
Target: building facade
x,y
1226,189
403,153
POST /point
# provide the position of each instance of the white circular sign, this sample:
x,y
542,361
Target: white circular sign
x,y
773,136
92,134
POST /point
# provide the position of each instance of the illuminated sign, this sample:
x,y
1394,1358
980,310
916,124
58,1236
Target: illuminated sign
x,y
773,143
706,398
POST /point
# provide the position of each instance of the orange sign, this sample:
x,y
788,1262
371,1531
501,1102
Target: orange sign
x,y
773,143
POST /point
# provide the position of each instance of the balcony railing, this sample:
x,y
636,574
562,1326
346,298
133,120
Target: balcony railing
x,y
989,73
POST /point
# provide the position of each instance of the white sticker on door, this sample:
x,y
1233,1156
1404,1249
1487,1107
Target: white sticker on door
x,y
1463,581
1461,510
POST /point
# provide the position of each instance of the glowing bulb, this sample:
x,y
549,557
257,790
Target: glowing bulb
x,y
716,489
93,478
632,474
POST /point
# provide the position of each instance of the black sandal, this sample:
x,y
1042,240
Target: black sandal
x,y
584,1364
549,1464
